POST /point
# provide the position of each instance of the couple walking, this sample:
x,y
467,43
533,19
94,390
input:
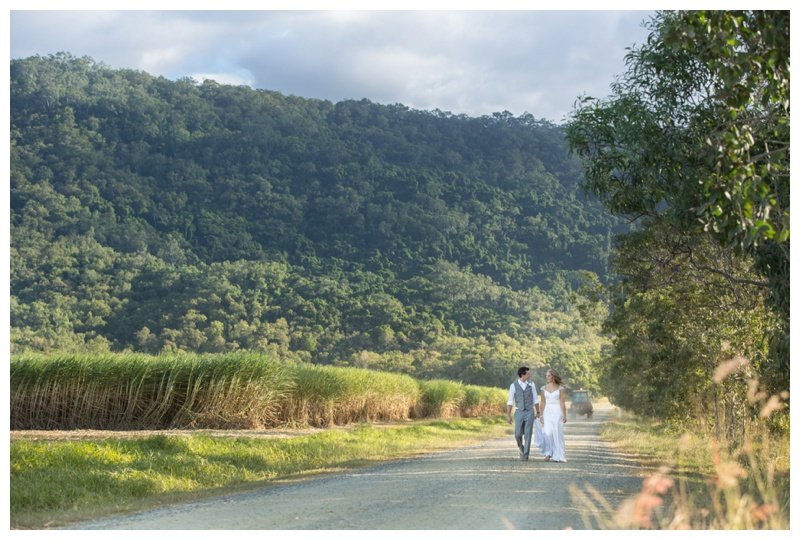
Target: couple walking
x,y
542,421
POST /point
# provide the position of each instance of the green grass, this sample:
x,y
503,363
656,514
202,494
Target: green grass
x,y
441,398
326,395
126,390
741,484
55,482
482,400
446,399
226,391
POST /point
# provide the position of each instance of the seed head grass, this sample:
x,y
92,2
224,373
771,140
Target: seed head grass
x,y
698,481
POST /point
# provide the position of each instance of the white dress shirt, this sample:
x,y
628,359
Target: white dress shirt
x,y
524,384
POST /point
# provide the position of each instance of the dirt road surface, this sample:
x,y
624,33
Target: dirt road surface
x,y
485,486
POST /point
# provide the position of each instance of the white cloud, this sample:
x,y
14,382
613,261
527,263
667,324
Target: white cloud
x,y
463,61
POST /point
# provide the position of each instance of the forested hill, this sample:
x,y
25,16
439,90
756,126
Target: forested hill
x,y
157,215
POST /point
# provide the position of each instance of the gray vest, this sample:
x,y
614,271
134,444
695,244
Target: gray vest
x,y
523,399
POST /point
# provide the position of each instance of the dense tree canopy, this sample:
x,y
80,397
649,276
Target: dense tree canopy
x,y
698,128
693,144
674,322
161,215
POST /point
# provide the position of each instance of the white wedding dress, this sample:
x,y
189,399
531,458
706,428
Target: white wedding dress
x,y
553,429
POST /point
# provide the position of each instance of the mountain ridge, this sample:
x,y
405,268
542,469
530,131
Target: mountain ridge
x,y
127,189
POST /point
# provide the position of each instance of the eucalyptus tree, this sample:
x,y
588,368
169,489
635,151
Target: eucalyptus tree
x,y
696,133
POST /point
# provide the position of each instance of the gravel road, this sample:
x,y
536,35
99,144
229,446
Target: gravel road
x,y
485,486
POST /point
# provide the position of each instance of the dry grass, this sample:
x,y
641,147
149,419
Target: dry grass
x,y
702,483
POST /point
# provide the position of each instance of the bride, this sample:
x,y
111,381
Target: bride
x,y
553,410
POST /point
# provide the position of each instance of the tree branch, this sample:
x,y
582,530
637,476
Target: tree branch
x,y
729,277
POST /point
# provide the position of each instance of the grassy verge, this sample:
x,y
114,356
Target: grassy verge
x,y
56,482
657,443
703,483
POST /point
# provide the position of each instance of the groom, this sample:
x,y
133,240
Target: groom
x,y
522,395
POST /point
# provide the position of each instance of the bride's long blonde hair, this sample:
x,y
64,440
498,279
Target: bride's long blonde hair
x,y
556,377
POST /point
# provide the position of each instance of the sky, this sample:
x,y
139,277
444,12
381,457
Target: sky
x,y
464,62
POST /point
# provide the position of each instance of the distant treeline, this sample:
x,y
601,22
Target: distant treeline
x,y
234,390
154,215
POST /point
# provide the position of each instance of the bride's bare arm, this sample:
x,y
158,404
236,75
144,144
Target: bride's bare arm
x,y
542,404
